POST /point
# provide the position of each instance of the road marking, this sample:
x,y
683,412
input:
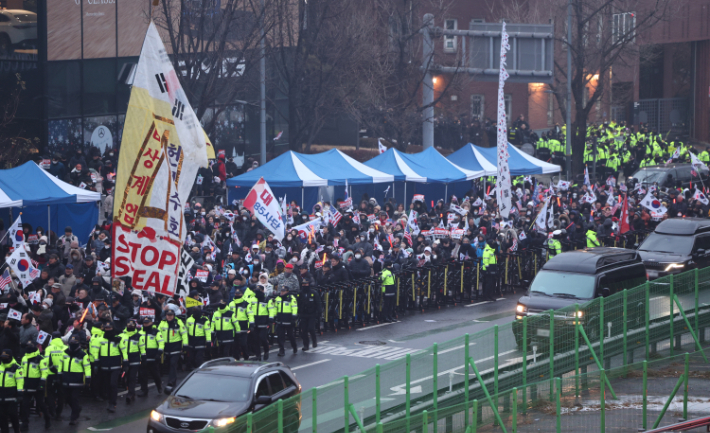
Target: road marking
x,y
480,321
500,299
499,355
309,365
454,348
389,353
413,390
375,326
98,429
477,304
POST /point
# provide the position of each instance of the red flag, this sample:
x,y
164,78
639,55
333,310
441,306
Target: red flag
x,y
624,227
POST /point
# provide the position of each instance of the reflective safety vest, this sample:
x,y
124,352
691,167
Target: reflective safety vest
x,y
241,307
224,323
109,354
130,347
592,240
75,368
286,309
263,312
55,351
10,381
488,258
150,342
34,368
555,247
175,337
387,279
704,156
199,332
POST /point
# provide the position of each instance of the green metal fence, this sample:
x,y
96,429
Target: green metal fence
x,y
575,344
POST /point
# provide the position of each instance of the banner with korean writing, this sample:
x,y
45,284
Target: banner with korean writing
x,y
162,148
262,203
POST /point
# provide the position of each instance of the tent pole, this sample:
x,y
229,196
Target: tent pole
x,y
446,193
405,195
49,220
394,196
303,205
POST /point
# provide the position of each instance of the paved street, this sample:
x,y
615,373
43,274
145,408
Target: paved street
x,y
338,354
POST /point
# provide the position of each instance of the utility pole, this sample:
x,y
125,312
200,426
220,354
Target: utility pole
x,y
428,84
568,152
262,86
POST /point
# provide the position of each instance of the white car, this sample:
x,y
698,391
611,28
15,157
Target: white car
x,y
17,28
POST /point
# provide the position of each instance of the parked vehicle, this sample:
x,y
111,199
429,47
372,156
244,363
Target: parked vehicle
x,y
676,245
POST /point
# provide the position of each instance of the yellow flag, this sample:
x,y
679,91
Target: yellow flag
x,y
191,302
162,148
210,148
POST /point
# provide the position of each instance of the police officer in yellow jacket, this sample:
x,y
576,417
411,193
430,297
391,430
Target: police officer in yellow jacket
x,y
76,372
33,371
388,292
224,324
489,267
592,240
131,353
240,306
286,314
10,388
175,337
55,391
151,345
199,335
110,363
554,246
97,334
262,315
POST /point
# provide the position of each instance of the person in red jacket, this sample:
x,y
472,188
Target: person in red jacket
x,y
219,168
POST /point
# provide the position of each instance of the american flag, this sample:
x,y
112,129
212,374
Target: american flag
x,y
408,235
5,280
335,216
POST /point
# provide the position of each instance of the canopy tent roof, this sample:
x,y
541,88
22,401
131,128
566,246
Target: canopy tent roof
x,y
520,163
437,169
393,163
29,185
293,169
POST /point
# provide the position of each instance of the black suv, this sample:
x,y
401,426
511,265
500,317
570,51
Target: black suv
x,y
221,390
677,244
669,175
577,277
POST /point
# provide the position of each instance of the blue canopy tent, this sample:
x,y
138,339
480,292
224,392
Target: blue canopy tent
x,y
46,200
520,163
308,177
393,163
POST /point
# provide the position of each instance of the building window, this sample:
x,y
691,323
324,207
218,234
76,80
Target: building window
x,y
623,27
508,107
450,41
477,107
550,109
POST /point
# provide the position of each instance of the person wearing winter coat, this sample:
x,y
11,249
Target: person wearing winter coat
x,y
363,244
359,266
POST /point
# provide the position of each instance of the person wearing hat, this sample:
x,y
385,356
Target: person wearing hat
x,y
68,280
388,292
262,315
241,306
174,335
55,392
130,349
288,279
225,326
64,242
75,372
10,388
309,310
33,373
286,313
110,363
199,335
592,240
151,346
89,268
554,246
489,266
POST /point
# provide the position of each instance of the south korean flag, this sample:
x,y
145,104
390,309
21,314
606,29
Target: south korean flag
x,y
699,196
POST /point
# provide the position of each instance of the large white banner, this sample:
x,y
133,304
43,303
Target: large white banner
x,y
503,182
262,203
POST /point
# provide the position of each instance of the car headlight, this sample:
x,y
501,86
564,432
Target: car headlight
x,y
221,422
579,314
674,266
520,308
156,416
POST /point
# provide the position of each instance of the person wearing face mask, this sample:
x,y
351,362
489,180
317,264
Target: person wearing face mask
x,y
309,311
359,266
225,325
33,372
76,372
363,244
151,345
175,337
130,349
262,314
58,169
199,335
286,312
240,306
10,388
110,363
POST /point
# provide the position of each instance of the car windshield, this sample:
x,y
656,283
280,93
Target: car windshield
x,y
214,387
659,243
563,285
650,176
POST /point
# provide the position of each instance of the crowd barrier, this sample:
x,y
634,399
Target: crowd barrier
x,y
631,325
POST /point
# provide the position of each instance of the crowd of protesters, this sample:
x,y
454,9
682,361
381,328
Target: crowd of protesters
x,y
104,335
